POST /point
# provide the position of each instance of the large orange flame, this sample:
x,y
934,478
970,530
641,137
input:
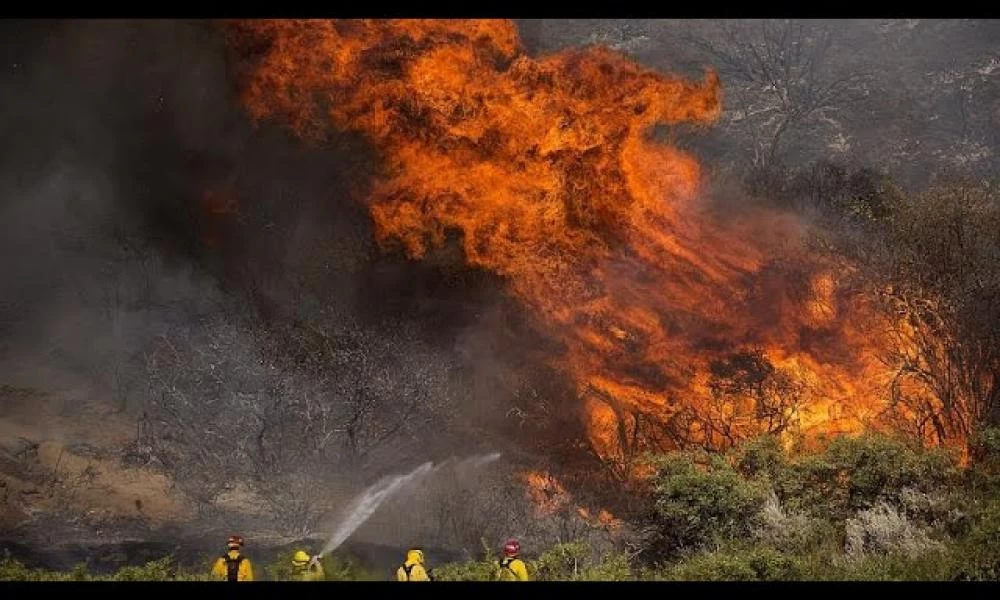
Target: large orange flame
x,y
675,323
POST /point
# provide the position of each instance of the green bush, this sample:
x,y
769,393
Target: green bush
x,y
700,498
795,532
157,570
484,569
12,570
761,458
989,441
854,473
476,570
616,567
562,562
163,569
577,561
979,551
737,564
801,505
79,573
985,473
936,566
948,526
767,564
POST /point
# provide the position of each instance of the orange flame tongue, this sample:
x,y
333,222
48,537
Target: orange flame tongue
x,y
547,168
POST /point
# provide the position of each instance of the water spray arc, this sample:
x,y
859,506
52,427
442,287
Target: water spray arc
x,y
363,506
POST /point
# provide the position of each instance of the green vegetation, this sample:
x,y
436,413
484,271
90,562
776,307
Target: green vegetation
x,y
865,508
870,508
164,569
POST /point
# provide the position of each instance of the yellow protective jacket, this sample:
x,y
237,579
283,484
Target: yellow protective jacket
x,y
233,566
512,569
413,569
309,573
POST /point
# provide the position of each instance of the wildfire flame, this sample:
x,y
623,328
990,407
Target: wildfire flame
x,y
673,321
545,492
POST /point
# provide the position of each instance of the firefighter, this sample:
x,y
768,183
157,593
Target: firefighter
x,y
413,569
307,568
233,566
511,567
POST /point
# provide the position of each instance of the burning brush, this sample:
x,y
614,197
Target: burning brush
x,y
547,169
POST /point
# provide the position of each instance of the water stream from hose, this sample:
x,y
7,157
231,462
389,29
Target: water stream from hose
x,y
365,504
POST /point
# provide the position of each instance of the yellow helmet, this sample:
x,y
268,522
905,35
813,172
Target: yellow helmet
x,y
415,556
300,557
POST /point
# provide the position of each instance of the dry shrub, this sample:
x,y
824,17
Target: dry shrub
x,y
883,530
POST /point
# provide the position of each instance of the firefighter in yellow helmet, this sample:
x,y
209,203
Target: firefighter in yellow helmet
x,y
307,568
233,566
511,567
413,569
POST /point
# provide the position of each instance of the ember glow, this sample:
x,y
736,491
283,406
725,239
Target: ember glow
x,y
679,327
545,492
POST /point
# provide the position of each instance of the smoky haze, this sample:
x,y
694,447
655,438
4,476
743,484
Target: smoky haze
x,y
216,287
162,255
119,139
913,96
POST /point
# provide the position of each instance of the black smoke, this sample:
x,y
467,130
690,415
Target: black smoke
x,y
115,133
